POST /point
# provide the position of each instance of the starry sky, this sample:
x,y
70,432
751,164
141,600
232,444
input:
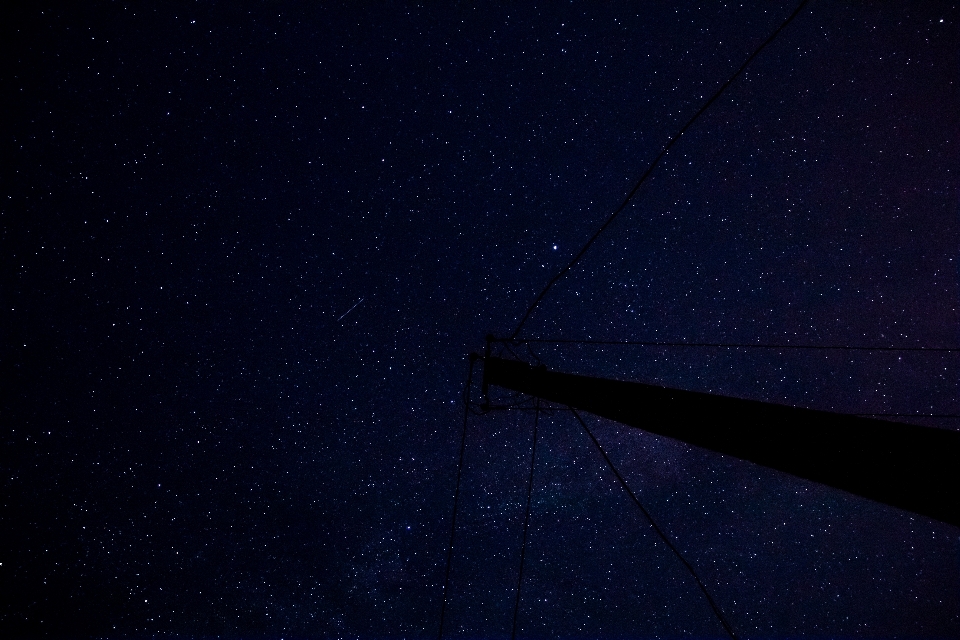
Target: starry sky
x,y
245,252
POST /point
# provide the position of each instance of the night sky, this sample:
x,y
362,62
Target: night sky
x,y
244,254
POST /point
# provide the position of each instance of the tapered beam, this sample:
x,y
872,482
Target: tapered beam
x,y
906,466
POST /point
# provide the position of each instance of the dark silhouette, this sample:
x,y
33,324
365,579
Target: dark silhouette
x,y
905,466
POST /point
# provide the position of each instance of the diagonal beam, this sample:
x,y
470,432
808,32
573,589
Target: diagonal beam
x,y
905,466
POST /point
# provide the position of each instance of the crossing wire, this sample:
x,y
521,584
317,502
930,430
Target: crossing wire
x,y
653,165
663,536
456,493
720,345
526,518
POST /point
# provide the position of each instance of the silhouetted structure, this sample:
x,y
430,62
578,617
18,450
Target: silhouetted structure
x,y
905,466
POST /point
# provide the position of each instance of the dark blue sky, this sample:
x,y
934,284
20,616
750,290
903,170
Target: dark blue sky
x,y
245,252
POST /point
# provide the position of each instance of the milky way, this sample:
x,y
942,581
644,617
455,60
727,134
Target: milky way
x,y
198,440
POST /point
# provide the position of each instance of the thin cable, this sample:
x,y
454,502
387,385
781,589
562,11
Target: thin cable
x,y
910,415
723,345
653,166
526,520
663,536
456,493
